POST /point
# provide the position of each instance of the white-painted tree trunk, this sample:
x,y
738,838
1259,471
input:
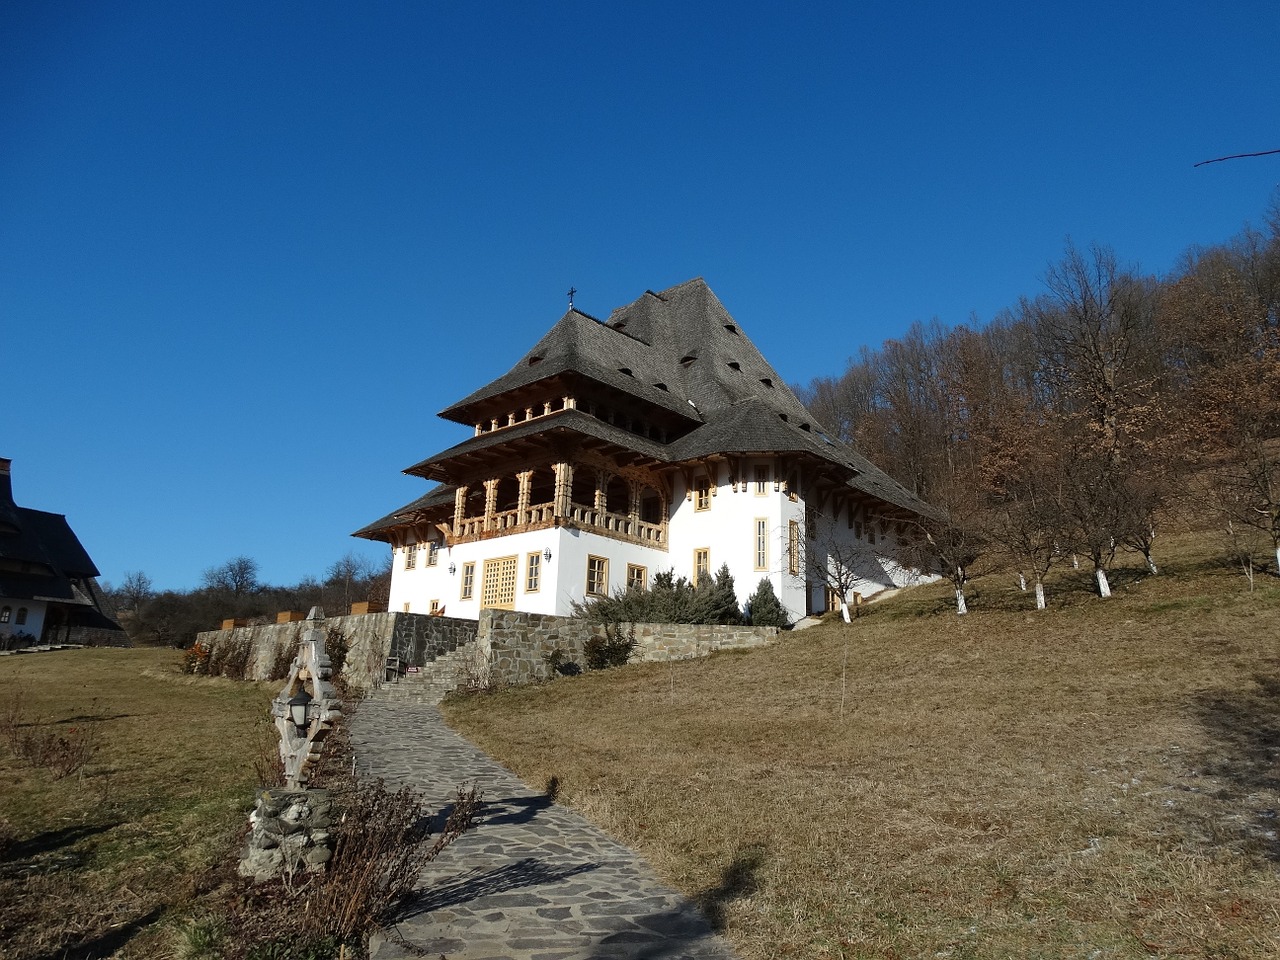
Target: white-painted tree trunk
x,y
1075,562
961,607
1278,559
1022,581
1039,595
844,612
1151,565
1104,588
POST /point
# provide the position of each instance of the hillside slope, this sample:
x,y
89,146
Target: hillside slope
x,y
1101,776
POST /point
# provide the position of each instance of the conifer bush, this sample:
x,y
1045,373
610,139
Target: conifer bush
x,y
764,609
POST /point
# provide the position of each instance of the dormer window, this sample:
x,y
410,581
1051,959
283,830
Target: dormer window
x,y
784,418
661,386
731,328
806,428
686,360
767,382
626,370
535,360
735,365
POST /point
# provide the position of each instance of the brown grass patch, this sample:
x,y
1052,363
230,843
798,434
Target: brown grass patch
x,y
1098,779
95,859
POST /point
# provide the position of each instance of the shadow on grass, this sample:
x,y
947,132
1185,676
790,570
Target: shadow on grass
x,y
736,881
48,842
1245,727
107,943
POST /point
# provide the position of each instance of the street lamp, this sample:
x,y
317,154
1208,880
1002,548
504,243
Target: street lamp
x,y
298,705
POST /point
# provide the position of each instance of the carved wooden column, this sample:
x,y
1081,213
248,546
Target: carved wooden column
x,y
634,489
522,499
564,488
490,502
602,486
459,509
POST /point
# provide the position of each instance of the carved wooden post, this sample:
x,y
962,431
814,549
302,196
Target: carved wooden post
x,y
602,483
564,488
459,508
634,489
522,499
490,502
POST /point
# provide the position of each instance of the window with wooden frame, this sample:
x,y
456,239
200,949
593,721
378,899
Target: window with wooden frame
x,y
762,543
5,614
533,573
498,583
433,552
793,547
411,556
468,580
435,607
702,493
701,564
637,577
22,616
597,576
810,523
762,479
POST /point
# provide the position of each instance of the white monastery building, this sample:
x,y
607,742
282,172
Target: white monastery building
x,y
659,439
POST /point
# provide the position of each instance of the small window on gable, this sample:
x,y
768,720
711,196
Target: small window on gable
x,y
734,365
731,328
535,360
767,382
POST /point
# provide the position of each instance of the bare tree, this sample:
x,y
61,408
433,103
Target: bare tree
x,y
238,576
135,591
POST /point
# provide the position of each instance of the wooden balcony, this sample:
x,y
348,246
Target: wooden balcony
x,y
542,516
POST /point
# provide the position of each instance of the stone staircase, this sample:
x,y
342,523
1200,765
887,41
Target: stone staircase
x,y
433,680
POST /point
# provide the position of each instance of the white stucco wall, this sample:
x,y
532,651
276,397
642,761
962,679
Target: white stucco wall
x,y
35,617
727,528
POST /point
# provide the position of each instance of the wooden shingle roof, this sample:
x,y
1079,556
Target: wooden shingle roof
x,y
678,351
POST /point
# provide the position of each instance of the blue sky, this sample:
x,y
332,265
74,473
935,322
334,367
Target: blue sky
x,y
248,250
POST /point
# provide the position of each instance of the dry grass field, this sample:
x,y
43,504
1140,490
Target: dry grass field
x,y
1096,780
93,861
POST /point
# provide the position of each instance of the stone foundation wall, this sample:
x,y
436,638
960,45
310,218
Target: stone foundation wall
x,y
510,647
371,639
516,645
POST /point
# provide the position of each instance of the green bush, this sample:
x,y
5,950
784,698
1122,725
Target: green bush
x,y
764,609
669,599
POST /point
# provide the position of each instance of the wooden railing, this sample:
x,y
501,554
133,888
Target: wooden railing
x,y
542,515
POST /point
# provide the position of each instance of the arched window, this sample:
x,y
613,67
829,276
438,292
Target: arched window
x,y
5,614
22,616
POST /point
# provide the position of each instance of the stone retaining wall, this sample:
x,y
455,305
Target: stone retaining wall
x,y
515,646
510,647
371,639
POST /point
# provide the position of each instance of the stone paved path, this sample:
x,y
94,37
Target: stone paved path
x,y
532,880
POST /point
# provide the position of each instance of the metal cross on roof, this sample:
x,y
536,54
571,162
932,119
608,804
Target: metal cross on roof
x,y
572,291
